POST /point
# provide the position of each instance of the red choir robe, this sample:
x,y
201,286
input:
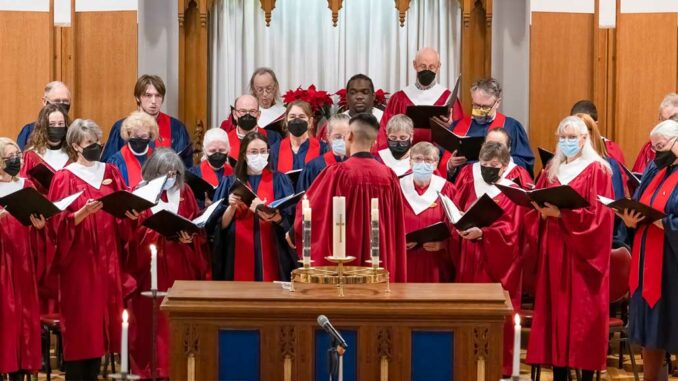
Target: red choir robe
x,y
645,156
614,151
53,159
571,309
19,305
268,116
359,179
87,262
409,96
176,261
495,257
423,208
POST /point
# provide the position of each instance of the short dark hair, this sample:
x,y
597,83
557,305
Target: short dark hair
x,y
360,76
241,166
365,118
144,81
587,107
503,132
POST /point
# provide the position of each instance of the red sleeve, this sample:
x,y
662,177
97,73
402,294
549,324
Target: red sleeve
x,y
615,152
645,156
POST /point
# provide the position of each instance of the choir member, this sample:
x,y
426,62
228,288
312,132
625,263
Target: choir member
x,y
337,131
589,108
249,243
149,93
359,98
570,326
182,258
55,93
491,254
432,262
400,134
246,114
46,143
88,252
265,87
425,91
21,247
359,179
299,147
668,109
486,95
139,130
214,164
653,309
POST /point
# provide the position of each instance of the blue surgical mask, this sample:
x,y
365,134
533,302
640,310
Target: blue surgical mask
x,y
169,183
339,147
569,148
422,171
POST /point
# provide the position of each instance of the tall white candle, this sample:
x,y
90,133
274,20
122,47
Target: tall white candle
x,y
375,209
124,367
154,268
339,236
516,347
305,204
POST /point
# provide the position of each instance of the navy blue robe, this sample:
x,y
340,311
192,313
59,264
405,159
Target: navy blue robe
x,y
200,198
619,234
312,170
24,134
119,162
299,158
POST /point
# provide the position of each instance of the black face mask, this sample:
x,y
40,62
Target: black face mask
x,y
297,127
490,174
13,166
56,134
138,145
217,159
425,77
247,122
665,158
92,152
399,148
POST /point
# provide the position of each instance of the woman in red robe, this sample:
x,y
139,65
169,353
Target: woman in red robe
x,y
490,254
570,326
432,262
88,254
178,259
19,245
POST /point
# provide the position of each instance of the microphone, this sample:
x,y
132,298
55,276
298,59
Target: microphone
x,y
324,322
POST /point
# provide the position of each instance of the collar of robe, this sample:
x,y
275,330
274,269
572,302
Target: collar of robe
x,y
92,175
56,159
421,202
172,204
481,187
424,97
375,111
11,186
569,171
363,155
400,167
270,115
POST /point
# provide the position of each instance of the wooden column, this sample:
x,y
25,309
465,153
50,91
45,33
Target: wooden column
x,y
476,44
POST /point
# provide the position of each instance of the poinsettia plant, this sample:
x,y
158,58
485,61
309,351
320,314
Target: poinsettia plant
x,y
379,99
319,100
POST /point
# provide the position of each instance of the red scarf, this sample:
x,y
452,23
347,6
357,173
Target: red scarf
x,y
234,142
165,131
286,158
133,165
244,239
464,125
654,241
208,173
329,158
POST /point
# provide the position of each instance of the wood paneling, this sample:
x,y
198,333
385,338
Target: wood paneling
x,y
476,45
25,67
561,71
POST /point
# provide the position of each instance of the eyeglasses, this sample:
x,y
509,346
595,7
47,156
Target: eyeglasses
x,y
568,138
262,151
245,111
399,138
484,107
662,146
426,160
12,156
264,90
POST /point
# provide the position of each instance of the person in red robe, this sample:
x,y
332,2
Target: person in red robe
x,y
431,262
589,108
46,144
214,163
20,246
182,258
246,114
668,109
570,325
359,179
400,135
424,92
138,131
88,252
491,254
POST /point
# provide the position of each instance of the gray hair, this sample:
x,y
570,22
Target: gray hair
x,y
262,71
425,148
336,119
670,100
495,150
215,135
489,86
78,131
667,129
161,162
400,122
587,151
54,85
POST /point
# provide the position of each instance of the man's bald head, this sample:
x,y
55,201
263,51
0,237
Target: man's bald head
x,y
364,128
57,92
427,59
246,102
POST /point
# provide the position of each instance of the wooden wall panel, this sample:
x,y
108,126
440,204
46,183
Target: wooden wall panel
x,y
561,71
25,67
105,65
646,66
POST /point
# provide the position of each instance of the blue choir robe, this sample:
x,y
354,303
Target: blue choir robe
x,y
656,327
119,162
299,158
224,246
313,169
197,170
619,232
181,142
24,134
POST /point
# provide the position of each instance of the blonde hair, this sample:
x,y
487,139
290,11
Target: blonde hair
x,y
670,100
587,151
78,131
136,121
400,122
425,148
335,120
4,142
596,139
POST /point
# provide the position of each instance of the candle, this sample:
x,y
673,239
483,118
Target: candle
x,y
154,268
123,343
375,209
339,236
306,209
516,347
306,236
305,204
374,232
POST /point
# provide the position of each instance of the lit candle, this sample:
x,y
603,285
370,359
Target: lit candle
x,y
123,343
375,209
374,232
154,268
306,244
339,236
516,347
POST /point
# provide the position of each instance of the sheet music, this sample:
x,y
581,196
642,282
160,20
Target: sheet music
x,y
604,200
451,210
151,190
202,219
67,201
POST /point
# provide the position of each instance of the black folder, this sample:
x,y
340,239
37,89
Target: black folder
x,y
432,233
170,224
294,176
545,156
42,174
633,179
562,196
282,203
651,214
421,115
199,186
231,161
243,191
482,213
142,198
28,201
467,146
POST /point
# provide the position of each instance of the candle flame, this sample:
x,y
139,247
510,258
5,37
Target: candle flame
x,y
517,319
125,316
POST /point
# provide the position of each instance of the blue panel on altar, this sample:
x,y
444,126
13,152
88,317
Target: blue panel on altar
x,y
322,344
432,355
239,353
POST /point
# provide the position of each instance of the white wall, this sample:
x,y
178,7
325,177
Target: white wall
x,y
511,56
159,47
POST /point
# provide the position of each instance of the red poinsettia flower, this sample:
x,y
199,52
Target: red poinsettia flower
x,y
318,99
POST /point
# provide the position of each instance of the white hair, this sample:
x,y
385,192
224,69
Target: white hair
x,y
215,135
400,122
587,151
335,120
667,129
54,85
669,101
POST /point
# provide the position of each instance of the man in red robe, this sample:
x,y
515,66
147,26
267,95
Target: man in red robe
x,y
359,179
246,116
425,91
668,109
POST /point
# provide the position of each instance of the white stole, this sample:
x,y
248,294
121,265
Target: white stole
x,y
270,115
418,202
93,175
569,171
375,111
426,97
400,167
11,186
56,158
481,187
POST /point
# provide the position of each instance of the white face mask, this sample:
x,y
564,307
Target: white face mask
x,y
258,162
169,183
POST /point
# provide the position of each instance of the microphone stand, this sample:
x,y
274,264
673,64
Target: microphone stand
x,y
336,361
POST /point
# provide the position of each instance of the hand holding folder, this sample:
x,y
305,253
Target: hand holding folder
x,y
28,202
482,213
562,197
171,224
282,203
199,186
467,146
145,196
433,233
649,213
